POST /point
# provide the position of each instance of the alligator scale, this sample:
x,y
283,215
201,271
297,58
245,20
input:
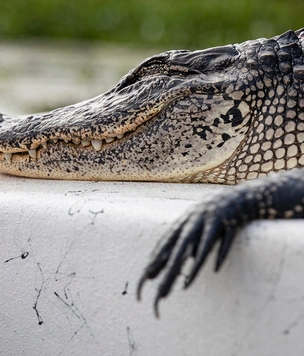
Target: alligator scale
x,y
220,115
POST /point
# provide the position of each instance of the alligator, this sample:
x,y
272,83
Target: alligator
x,y
224,115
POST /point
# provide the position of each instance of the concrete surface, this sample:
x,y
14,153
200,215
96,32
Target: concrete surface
x,y
72,253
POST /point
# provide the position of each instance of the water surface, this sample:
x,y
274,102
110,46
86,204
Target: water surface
x,y
37,76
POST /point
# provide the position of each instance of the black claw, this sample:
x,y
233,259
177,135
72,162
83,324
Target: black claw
x,y
187,242
140,285
156,308
218,263
207,243
159,261
224,249
195,269
161,257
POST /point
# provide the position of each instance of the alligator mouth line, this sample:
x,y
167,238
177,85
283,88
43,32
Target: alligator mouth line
x,y
97,145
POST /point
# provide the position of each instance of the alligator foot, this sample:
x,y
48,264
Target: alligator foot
x,y
278,196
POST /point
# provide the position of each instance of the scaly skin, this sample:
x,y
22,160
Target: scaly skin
x,y
221,115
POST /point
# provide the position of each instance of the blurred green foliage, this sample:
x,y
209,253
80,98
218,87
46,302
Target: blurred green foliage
x,y
157,23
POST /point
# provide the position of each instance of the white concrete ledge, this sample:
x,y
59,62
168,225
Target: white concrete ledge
x,y
72,253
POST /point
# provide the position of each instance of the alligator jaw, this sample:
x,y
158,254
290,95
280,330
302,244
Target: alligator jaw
x,y
169,119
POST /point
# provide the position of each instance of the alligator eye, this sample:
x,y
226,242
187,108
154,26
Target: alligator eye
x,y
301,34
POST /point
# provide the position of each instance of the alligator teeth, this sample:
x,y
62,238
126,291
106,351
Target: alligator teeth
x,y
66,141
55,140
97,144
120,136
44,144
8,156
85,143
109,139
33,153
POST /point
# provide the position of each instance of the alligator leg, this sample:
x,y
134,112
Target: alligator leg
x,y
279,196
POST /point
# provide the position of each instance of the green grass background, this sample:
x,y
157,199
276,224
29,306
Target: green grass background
x,y
157,23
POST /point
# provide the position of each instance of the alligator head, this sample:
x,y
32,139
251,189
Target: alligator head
x,y
178,116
